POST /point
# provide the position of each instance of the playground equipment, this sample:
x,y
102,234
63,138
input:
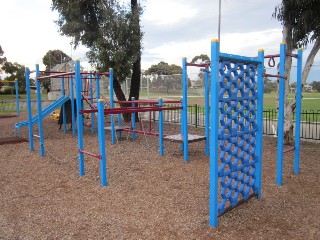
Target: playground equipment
x,y
80,95
282,78
236,119
184,138
16,86
236,122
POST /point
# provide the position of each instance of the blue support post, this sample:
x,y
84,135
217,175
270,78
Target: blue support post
x,y
91,101
298,113
111,95
160,128
30,127
40,125
181,125
102,148
73,118
206,110
214,131
17,97
64,117
184,115
133,120
259,143
79,116
281,113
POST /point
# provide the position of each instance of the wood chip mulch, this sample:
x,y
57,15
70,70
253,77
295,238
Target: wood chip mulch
x,y
148,196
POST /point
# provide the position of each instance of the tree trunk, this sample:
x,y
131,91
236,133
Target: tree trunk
x,y
121,97
289,107
310,61
136,66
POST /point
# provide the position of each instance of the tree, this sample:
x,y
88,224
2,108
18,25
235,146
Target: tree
x,y
202,58
112,33
50,59
2,59
16,71
168,76
54,57
316,85
301,26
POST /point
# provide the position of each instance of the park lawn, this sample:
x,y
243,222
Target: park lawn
x,y
21,96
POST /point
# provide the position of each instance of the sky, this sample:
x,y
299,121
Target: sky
x,y
172,30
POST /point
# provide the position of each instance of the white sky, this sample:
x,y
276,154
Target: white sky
x,y
172,29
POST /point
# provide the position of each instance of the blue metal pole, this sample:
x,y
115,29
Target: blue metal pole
x,y
73,118
214,131
181,121
79,116
111,95
133,120
298,113
91,101
160,128
30,127
259,143
185,109
64,117
17,97
101,137
206,110
40,125
281,113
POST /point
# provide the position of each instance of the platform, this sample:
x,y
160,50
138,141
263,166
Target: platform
x,y
178,138
117,128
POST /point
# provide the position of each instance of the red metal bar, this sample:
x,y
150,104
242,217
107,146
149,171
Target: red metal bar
x,y
143,132
292,55
90,154
148,101
130,110
272,75
55,75
288,150
272,56
198,65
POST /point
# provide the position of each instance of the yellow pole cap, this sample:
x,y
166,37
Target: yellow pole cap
x,y
261,50
283,43
100,100
215,40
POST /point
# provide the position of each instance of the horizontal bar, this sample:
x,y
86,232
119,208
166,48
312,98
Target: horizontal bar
x,y
142,132
198,64
148,101
6,81
288,150
272,56
230,57
130,110
90,154
55,75
273,75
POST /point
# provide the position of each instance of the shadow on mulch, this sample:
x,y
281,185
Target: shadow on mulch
x,y
8,116
12,140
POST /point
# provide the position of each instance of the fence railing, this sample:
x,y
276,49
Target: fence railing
x,y
310,120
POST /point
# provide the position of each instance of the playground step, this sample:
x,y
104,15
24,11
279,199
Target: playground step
x,y
179,139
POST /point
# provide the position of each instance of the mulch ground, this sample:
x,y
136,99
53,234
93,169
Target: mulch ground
x,y
148,196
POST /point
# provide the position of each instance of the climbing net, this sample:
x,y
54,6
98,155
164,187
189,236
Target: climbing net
x,y
237,133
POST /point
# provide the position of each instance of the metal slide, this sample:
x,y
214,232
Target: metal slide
x,y
45,112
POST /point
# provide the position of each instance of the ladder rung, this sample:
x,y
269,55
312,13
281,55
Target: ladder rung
x,y
90,154
288,150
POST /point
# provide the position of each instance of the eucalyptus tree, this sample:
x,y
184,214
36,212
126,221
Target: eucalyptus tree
x,y
111,31
301,28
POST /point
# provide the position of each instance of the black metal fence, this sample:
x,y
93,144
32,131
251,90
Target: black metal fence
x,y
310,120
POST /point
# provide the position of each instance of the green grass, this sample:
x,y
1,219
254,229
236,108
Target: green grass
x,y
21,96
